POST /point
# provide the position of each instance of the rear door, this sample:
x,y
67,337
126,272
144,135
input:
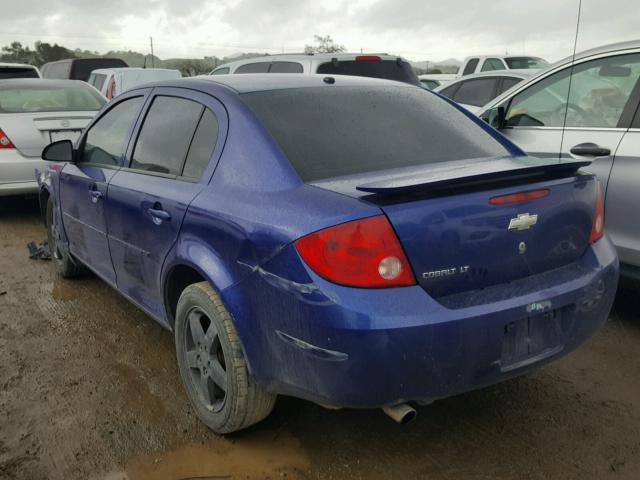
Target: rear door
x,y
83,185
593,96
169,164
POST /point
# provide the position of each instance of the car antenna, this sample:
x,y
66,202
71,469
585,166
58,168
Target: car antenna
x,y
573,60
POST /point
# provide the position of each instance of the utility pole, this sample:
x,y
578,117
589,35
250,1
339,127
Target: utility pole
x,y
152,61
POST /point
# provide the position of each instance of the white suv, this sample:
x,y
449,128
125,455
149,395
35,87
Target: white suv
x,y
18,70
376,65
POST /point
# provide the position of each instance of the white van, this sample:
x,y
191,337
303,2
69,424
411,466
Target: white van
x,y
113,81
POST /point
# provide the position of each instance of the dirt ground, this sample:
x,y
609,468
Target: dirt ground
x,y
89,390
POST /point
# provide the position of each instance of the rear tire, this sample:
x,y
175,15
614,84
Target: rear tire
x,y
64,263
212,364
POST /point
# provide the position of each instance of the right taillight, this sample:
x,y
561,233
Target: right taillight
x,y
597,228
4,140
362,253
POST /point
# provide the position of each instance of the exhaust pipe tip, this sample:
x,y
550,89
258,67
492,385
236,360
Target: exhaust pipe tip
x,y
402,413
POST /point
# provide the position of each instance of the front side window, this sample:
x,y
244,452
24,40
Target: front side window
x,y
470,67
491,64
105,141
507,83
165,135
257,67
590,94
476,92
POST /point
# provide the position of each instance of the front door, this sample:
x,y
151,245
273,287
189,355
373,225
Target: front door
x,y
83,185
578,112
149,198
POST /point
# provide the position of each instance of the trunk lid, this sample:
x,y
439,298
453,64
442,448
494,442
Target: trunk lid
x,y
31,132
456,240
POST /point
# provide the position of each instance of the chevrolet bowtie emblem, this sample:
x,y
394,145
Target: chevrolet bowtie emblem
x,y
523,221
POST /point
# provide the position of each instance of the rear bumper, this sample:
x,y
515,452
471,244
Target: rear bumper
x,y
17,173
368,348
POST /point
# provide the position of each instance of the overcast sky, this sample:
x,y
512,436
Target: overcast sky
x,y
417,29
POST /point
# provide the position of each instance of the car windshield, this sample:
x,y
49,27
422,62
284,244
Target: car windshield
x,y
18,72
525,62
389,69
334,131
49,98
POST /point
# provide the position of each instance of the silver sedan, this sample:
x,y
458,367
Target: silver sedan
x,y
34,113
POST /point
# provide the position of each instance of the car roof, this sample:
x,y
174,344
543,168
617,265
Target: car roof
x,y
255,82
21,65
300,57
21,82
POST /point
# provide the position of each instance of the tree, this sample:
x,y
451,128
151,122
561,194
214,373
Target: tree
x,y
324,45
45,52
18,54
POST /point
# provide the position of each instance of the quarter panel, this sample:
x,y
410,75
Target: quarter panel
x,y
622,202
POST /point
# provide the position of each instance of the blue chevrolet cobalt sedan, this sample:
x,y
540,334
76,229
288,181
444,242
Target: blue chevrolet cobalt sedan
x,y
354,242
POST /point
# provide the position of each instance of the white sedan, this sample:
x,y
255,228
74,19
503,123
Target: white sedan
x,y
33,113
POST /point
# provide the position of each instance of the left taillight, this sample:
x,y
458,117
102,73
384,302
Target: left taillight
x,y
597,228
4,140
362,253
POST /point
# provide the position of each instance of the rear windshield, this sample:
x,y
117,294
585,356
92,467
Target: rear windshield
x,y
525,62
335,131
389,69
17,72
32,98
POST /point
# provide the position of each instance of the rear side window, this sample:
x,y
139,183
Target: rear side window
x,y
335,131
470,67
202,146
390,69
258,67
221,71
286,67
165,135
17,72
476,92
449,92
105,141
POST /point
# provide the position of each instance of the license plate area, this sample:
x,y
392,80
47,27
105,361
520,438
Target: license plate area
x,y
531,339
57,135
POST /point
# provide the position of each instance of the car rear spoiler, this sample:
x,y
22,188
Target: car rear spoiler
x,y
468,173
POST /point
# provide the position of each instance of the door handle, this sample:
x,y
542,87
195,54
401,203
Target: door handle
x,y
590,150
158,216
95,195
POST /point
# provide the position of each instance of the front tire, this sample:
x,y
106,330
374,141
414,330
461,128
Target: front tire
x,y
65,265
212,364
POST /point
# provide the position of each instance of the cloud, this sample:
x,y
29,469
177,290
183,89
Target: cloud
x,y
417,29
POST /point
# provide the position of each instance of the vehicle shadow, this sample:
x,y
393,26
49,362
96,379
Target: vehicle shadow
x,y
18,207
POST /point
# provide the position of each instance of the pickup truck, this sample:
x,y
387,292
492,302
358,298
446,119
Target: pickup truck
x,y
489,63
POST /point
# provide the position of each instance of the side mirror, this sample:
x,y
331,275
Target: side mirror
x,y
496,117
60,151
